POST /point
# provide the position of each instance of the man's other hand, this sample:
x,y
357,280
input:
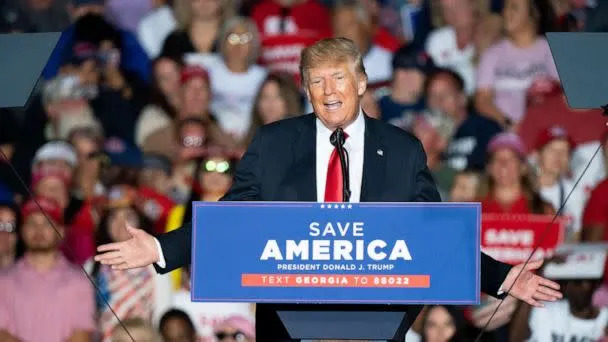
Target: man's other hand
x,y
529,287
138,251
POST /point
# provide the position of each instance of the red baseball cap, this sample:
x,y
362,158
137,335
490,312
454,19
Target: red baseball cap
x,y
191,71
47,205
549,134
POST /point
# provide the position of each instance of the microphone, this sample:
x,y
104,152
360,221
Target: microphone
x,y
337,139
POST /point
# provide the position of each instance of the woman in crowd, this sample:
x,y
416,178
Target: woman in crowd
x,y
438,323
508,68
199,23
136,293
457,44
277,98
164,101
510,187
231,101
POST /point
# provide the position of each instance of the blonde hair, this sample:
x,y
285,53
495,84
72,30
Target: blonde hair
x,y
330,50
183,12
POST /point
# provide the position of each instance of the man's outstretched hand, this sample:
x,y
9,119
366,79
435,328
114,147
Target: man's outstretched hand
x,y
138,251
529,287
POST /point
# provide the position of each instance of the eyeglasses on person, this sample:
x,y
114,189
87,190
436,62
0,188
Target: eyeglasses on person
x,y
239,38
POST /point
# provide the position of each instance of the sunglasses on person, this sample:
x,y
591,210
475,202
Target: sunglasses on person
x,y
219,166
237,336
239,38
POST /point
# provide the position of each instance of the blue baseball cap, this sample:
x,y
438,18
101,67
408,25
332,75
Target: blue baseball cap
x,y
123,153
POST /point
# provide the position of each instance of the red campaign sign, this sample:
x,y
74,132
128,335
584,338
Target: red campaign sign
x,y
512,238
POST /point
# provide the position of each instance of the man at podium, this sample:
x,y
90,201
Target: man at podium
x,y
299,159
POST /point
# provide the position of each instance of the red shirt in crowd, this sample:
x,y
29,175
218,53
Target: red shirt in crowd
x,y
491,205
285,32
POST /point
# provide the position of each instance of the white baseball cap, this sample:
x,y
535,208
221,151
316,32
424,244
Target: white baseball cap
x,y
56,150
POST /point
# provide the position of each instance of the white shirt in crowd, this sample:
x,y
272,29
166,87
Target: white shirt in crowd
x,y
154,28
378,64
442,47
573,209
554,322
232,94
206,316
597,170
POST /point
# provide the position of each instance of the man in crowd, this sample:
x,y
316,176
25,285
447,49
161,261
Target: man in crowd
x,y
445,93
292,161
406,100
43,297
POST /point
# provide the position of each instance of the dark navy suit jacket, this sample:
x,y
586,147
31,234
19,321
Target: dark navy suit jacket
x,y
280,165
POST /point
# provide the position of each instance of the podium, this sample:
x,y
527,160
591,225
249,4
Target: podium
x,y
336,270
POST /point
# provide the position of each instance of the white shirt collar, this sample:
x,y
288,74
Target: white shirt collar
x,y
355,130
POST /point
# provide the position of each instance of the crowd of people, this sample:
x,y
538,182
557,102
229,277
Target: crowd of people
x,y
147,105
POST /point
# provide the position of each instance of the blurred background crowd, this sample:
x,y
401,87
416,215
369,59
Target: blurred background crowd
x,y
146,105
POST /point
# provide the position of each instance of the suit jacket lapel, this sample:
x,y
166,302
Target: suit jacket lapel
x,y
374,164
305,164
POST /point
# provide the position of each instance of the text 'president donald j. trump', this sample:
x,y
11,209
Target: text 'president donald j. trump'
x,y
294,160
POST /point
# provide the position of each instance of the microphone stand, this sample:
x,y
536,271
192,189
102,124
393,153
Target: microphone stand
x,y
344,163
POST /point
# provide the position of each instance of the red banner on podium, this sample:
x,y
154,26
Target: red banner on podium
x,y
511,238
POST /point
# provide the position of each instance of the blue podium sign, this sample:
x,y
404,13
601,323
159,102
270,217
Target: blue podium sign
x,y
305,252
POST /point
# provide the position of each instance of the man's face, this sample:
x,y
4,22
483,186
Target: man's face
x,y
445,97
555,157
38,234
580,293
8,237
177,330
334,89
346,24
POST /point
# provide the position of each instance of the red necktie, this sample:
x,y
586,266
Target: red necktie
x,y
333,185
